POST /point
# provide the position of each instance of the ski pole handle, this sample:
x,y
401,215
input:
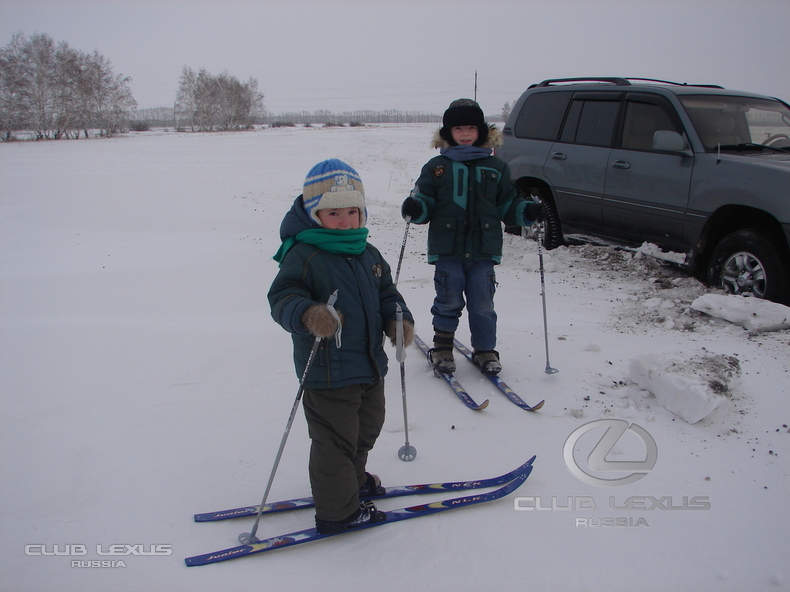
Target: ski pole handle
x,y
330,306
400,350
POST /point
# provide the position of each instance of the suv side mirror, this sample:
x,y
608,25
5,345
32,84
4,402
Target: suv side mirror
x,y
667,141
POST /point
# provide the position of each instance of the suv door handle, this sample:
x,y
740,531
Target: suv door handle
x,y
559,155
621,164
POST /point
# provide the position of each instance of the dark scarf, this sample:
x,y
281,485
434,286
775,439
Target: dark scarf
x,y
464,153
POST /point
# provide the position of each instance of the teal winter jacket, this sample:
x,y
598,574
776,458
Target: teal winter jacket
x,y
466,203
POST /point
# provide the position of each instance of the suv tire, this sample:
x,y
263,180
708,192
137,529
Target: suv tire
x,y
746,263
552,227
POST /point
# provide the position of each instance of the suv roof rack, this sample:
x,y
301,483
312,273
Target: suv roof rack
x,y
675,83
615,81
618,81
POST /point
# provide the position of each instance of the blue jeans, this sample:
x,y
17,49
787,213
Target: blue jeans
x,y
452,280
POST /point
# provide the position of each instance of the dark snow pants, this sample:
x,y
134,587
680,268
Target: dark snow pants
x,y
343,424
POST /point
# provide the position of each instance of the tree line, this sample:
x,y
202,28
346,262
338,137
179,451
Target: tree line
x,y
362,116
58,91
171,116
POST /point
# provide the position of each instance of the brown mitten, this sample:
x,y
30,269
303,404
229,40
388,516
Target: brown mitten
x,y
318,321
408,332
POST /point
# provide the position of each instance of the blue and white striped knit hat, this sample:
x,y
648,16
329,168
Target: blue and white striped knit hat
x,y
333,184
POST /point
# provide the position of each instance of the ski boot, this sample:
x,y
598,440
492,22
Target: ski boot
x,y
366,514
441,355
487,361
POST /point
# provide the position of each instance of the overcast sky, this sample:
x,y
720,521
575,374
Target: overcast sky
x,y
416,55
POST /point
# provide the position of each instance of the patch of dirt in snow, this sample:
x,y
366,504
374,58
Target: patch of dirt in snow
x,y
653,294
721,372
659,294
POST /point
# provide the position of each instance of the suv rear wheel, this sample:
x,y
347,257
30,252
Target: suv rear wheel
x,y
746,263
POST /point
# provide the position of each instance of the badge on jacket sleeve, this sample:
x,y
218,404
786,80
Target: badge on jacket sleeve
x,y
377,270
438,170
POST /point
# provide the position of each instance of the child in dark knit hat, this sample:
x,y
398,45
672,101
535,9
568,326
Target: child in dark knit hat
x,y
465,194
324,250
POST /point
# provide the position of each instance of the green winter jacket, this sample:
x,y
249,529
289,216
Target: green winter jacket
x,y
466,203
366,299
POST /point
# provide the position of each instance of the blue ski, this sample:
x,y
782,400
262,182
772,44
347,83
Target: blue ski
x,y
310,534
397,491
498,382
452,381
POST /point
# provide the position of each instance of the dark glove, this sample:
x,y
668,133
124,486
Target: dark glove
x,y
534,212
411,208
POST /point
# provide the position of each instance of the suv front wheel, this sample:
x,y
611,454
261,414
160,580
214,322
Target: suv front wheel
x,y
746,263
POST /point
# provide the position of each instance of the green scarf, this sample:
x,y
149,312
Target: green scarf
x,y
345,242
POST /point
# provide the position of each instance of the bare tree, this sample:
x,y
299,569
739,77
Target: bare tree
x,y
217,102
72,102
58,91
39,72
13,91
109,97
186,98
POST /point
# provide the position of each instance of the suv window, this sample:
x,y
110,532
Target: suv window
x,y
591,122
541,116
731,121
641,122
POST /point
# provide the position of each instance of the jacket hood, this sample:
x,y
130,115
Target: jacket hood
x,y
493,141
296,220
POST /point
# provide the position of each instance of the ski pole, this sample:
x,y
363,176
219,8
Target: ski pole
x,y
549,369
406,452
402,249
248,538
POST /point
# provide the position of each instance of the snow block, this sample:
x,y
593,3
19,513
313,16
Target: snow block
x,y
754,314
690,388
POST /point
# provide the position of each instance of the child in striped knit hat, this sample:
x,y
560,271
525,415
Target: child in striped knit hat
x,y
324,249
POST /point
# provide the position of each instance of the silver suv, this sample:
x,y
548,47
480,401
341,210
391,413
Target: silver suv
x,y
695,169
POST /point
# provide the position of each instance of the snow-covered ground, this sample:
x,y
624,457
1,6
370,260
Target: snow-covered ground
x,y
144,381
